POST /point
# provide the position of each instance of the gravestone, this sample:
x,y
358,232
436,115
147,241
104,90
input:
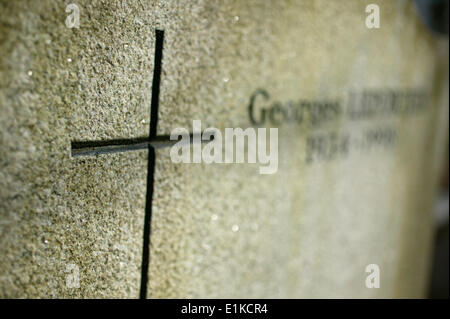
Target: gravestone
x,y
361,115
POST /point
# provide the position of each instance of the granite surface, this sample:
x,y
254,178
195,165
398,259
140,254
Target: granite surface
x,y
219,230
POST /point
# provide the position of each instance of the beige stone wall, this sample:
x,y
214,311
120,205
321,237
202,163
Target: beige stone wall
x,y
217,230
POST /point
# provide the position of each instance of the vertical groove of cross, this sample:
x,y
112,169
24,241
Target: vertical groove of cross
x,y
159,35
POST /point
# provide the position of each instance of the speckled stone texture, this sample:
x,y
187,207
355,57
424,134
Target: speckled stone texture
x,y
217,230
